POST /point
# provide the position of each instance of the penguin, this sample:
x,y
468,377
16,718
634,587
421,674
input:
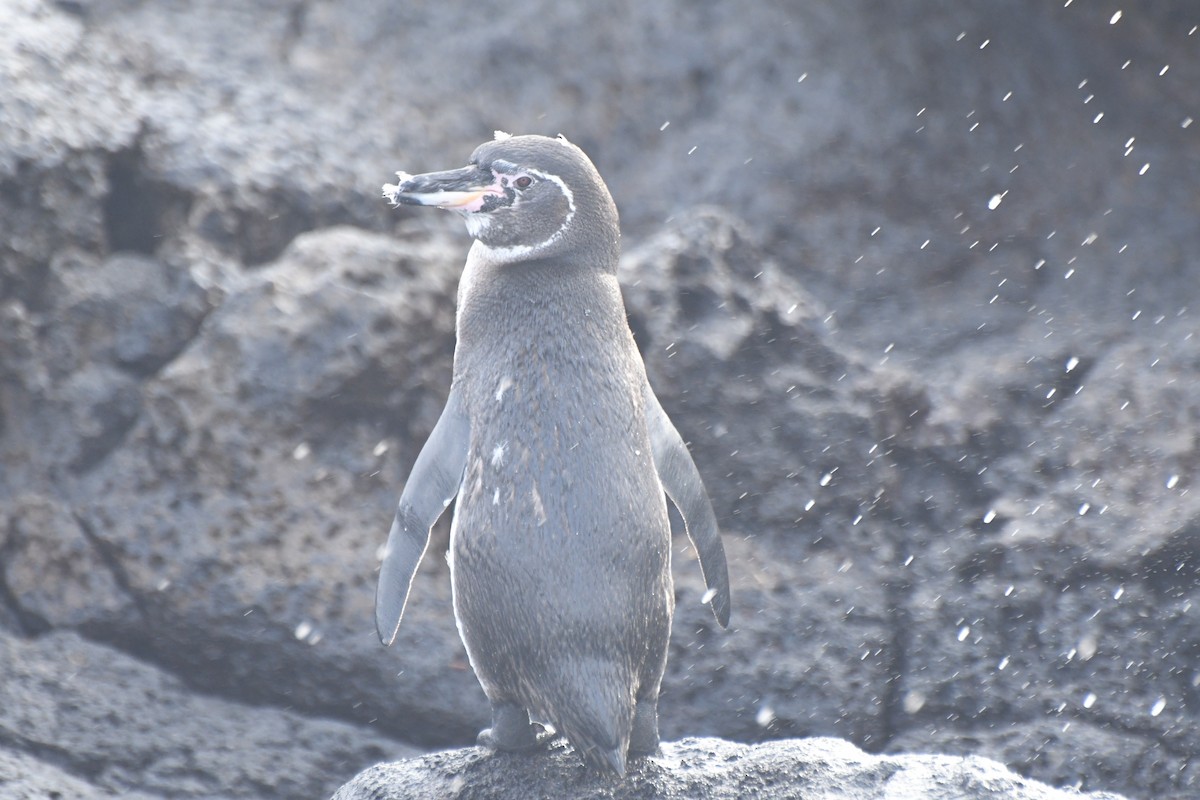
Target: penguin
x,y
559,458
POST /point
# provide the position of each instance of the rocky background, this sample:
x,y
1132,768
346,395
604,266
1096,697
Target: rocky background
x,y
918,282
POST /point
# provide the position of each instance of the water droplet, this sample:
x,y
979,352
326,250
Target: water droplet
x,y
1158,707
964,632
708,596
913,701
303,630
1089,700
765,716
1087,646
1114,18
1003,663
1172,481
302,451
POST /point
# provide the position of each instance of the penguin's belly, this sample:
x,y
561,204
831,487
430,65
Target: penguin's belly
x,y
560,558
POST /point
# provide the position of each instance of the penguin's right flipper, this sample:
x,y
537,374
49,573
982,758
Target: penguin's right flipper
x,y
683,485
431,486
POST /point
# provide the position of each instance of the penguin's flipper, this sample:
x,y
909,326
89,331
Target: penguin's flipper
x,y
682,482
431,486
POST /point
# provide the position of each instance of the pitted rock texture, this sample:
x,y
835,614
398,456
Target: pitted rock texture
x,y
790,769
917,282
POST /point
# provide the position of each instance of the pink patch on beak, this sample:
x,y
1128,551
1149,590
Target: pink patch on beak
x,y
471,201
468,201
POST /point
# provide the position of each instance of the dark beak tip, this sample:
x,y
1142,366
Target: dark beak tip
x,y
400,194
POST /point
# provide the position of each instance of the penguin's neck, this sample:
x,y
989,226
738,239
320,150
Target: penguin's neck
x,y
507,305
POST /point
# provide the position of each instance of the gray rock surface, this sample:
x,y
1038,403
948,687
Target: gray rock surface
x,y
790,769
901,274
87,721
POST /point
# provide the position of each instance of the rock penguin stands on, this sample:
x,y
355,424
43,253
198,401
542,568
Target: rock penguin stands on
x,y
559,454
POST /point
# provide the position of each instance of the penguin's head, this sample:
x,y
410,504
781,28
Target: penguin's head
x,y
524,198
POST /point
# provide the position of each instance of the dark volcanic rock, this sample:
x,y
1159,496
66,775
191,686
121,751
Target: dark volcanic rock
x,y
157,737
702,292
917,282
24,777
710,768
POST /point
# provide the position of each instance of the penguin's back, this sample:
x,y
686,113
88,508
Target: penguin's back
x,y
561,542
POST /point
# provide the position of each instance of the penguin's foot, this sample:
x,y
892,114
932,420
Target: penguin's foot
x,y
535,737
512,731
643,738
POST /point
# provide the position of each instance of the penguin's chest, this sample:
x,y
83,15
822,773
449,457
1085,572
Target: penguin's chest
x,y
560,502
557,456
559,468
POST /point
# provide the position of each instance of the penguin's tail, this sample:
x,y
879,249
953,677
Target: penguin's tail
x,y
611,761
596,715
598,742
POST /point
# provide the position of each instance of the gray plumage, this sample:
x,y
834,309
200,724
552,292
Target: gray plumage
x,y
559,454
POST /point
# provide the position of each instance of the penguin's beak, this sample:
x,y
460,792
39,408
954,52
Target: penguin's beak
x,y
456,189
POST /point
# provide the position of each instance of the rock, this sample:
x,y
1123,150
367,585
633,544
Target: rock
x,y
711,768
160,738
24,777
915,282
104,327
288,391
702,292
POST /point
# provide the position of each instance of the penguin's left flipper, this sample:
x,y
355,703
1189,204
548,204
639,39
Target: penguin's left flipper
x,y
683,485
431,486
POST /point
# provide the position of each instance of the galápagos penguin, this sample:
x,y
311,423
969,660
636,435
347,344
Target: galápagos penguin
x,y
558,453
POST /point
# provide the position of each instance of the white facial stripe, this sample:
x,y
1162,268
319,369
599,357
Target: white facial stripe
x,y
562,187
519,252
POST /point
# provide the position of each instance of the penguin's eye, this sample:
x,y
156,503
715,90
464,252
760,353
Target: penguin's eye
x,y
523,182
